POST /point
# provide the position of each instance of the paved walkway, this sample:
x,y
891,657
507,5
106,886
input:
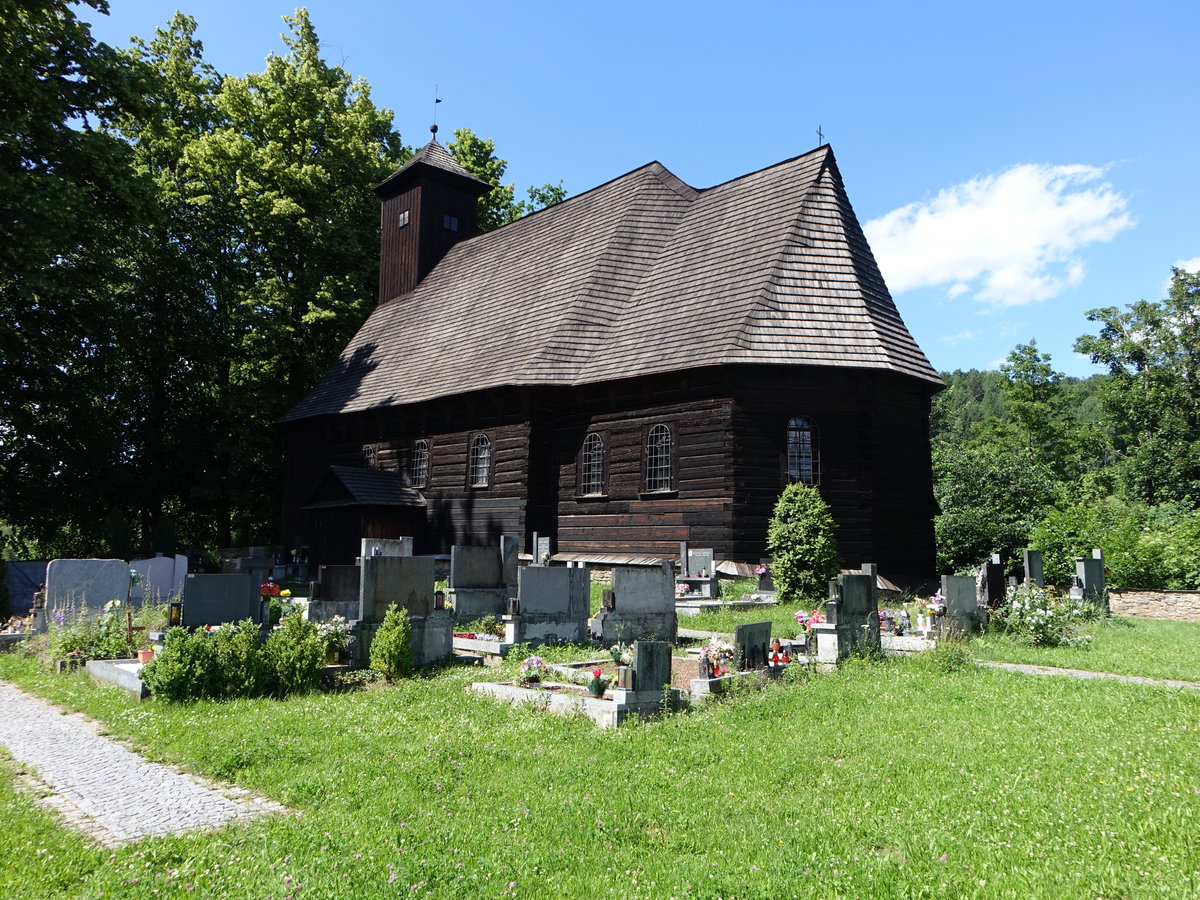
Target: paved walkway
x,y
107,791
1084,673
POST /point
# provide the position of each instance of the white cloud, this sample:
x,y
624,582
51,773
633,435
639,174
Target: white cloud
x,y
1012,238
1188,265
955,339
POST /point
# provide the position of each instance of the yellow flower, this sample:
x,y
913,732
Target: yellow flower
x,y
285,593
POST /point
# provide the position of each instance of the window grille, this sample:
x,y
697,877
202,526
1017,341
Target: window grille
x,y
802,460
658,459
591,465
419,468
369,459
480,462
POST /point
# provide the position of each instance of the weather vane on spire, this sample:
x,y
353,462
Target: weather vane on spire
x,y
436,100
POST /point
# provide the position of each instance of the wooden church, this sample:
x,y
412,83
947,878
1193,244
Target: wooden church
x,y
638,365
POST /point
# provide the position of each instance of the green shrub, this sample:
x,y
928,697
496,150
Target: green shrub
x,y
240,663
801,539
185,668
391,648
294,656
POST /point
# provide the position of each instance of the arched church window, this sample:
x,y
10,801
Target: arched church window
x,y
659,476
479,465
591,465
802,460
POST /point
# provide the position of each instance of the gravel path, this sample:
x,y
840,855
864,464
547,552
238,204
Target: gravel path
x,y
1084,673
105,790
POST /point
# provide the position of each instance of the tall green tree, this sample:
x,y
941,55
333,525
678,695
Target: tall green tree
x,y
68,201
1152,353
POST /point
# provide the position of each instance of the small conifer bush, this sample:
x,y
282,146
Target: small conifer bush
x,y
802,541
391,648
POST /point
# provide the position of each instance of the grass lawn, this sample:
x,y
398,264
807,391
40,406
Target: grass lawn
x,y
1150,647
892,779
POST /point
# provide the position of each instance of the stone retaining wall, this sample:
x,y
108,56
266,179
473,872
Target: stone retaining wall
x,y
1181,606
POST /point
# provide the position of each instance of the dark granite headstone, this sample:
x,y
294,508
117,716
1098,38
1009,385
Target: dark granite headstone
x,y
751,645
217,599
651,665
994,585
1033,567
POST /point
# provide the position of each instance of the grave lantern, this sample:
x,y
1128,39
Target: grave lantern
x,y
439,599
174,614
514,606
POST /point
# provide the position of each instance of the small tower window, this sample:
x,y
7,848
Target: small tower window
x,y
479,462
658,459
802,459
450,223
591,466
419,468
402,219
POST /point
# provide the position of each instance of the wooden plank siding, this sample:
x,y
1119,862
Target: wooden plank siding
x,y
729,428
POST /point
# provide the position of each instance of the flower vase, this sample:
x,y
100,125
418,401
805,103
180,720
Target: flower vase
x,y
596,688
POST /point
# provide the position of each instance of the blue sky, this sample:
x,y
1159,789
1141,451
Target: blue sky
x,y
1014,164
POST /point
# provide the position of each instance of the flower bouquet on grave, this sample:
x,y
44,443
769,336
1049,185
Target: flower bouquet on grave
x,y
682,589
622,654
533,670
715,658
335,634
806,619
936,605
598,683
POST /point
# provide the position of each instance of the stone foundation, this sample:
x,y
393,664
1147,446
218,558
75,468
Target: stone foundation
x,y
1180,606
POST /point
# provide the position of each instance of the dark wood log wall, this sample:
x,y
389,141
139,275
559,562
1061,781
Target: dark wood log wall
x,y
729,430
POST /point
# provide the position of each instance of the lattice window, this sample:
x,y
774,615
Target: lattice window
x,y
658,459
479,465
802,459
418,470
591,465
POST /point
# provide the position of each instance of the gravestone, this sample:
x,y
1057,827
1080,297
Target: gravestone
x,y
477,585
962,605
160,578
509,561
541,550
851,619
1033,567
406,581
553,605
90,583
643,606
751,646
386,547
766,581
651,666
339,594
258,566
217,599
696,572
994,585
1089,585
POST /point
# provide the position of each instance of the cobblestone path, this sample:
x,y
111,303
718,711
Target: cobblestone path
x,y
105,790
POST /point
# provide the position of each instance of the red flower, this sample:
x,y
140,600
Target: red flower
x,y
596,673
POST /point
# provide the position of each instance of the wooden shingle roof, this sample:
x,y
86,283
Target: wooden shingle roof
x,y
641,275
347,486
